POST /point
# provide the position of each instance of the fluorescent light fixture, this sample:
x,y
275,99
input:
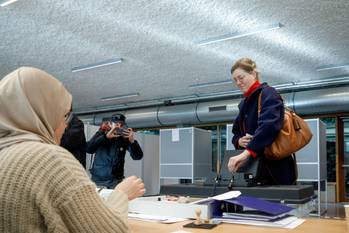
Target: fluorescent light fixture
x,y
239,35
211,84
117,97
6,3
331,67
97,65
322,83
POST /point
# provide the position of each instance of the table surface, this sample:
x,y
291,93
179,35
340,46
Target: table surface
x,y
311,225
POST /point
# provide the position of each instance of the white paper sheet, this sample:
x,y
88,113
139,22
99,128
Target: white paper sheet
x,y
289,222
155,218
223,196
227,195
175,135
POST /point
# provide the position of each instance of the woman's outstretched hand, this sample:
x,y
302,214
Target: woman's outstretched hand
x,y
238,161
132,186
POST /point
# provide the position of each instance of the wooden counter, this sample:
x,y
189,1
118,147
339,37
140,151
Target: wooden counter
x,y
311,225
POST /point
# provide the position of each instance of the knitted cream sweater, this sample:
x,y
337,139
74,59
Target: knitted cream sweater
x,y
44,189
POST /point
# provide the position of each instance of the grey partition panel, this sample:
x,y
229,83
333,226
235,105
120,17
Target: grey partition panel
x,y
202,153
230,135
176,151
185,153
176,171
307,171
311,151
148,167
312,159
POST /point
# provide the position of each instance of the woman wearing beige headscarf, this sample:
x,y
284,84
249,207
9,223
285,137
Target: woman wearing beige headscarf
x,y
42,187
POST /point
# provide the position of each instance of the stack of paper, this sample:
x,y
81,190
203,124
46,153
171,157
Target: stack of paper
x,y
254,211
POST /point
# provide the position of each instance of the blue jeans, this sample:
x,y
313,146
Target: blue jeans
x,y
109,184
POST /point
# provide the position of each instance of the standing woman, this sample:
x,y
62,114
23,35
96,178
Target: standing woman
x,y
254,132
43,188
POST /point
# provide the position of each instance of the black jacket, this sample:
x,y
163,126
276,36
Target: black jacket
x,y
109,158
264,129
74,140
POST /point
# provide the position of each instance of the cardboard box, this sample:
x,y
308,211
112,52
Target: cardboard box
x,y
161,207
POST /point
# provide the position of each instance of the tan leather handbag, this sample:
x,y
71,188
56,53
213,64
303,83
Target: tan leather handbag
x,y
294,135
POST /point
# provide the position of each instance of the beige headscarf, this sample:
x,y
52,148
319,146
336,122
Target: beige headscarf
x,y
32,105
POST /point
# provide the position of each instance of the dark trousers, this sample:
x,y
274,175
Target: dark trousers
x,y
278,172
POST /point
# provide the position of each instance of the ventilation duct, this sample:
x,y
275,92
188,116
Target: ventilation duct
x,y
322,101
99,118
178,115
311,102
217,111
142,118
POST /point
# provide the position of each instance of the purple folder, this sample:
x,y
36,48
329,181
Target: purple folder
x,y
261,205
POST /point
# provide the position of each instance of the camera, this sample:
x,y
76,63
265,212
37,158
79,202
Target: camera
x,y
120,131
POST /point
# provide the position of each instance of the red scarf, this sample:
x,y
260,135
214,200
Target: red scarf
x,y
105,127
252,88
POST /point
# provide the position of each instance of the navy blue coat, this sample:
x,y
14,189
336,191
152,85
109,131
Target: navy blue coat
x,y
109,161
264,129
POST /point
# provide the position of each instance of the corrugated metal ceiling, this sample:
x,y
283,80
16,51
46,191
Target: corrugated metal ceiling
x,y
157,39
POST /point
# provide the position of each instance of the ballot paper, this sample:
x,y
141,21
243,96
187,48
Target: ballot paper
x,y
155,218
223,196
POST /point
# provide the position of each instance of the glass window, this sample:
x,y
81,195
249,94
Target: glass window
x,y
331,147
346,156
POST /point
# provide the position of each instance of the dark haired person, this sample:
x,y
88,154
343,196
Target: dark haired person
x,y
254,133
109,144
74,139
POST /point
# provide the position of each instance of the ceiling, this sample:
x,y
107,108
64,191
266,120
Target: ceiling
x,y
158,42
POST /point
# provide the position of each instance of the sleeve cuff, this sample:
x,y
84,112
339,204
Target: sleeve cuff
x,y
118,201
253,154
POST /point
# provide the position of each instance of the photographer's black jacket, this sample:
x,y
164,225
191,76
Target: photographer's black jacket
x,y
110,156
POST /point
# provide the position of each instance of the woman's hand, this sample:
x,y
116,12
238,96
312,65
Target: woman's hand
x,y
238,161
132,186
243,141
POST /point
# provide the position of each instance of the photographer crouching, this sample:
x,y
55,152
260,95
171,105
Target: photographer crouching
x,y
109,145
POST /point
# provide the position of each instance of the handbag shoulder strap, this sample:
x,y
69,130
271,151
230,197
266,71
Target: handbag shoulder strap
x,y
260,105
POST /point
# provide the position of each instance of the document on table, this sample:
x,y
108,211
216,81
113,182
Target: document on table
x,y
155,218
290,222
224,196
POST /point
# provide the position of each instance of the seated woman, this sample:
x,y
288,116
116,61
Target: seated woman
x,y
43,187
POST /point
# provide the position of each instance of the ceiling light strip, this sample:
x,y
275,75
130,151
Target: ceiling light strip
x,y
120,97
313,84
97,65
331,67
6,3
239,35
